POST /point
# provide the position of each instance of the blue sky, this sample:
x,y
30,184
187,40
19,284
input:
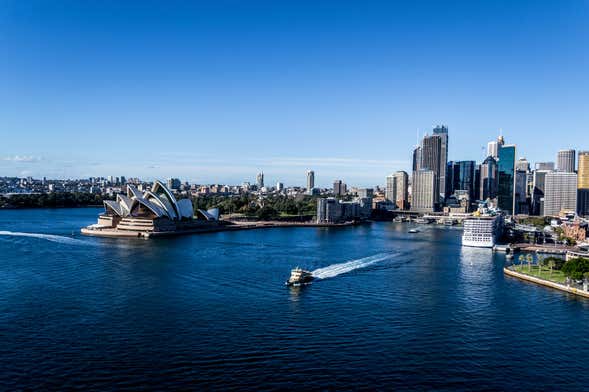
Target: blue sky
x,y
217,91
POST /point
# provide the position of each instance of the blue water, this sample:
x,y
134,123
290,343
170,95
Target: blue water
x,y
211,312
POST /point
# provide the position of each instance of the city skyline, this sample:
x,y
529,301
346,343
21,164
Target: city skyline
x,y
93,87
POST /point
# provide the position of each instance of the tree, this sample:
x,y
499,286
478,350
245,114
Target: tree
x,y
529,258
576,268
551,264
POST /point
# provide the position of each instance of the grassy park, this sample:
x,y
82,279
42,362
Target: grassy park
x,y
541,272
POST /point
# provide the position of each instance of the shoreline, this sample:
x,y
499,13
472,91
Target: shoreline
x,y
546,283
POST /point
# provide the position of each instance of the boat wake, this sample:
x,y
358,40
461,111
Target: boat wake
x,y
49,237
342,268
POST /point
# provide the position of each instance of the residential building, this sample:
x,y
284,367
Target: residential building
x,y
310,180
339,188
260,180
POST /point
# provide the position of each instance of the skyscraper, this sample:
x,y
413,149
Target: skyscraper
x,y
583,184
391,190
560,193
544,166
494,147
431,149
339,188
583,170
310,180
506,179
538,187
566,161
424,195
260,180
493,150
417,158
466,176
488,182
442,132
397,189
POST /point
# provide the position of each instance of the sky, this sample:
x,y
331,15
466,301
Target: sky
x,y
216,91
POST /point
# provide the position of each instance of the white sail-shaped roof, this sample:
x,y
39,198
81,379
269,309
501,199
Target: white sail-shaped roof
x,y
160,201
114,207
185,206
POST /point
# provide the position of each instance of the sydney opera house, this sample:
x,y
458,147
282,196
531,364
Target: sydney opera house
x,y
143,214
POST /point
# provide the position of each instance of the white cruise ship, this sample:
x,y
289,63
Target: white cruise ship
x,y
482,231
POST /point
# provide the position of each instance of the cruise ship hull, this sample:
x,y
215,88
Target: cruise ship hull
x,y
478,244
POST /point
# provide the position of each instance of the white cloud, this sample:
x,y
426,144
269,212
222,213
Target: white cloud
x,y
22,158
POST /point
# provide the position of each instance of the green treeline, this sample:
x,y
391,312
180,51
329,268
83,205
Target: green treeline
x,y
52,200
263,208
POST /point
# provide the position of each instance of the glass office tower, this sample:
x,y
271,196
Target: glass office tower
x,y
506,177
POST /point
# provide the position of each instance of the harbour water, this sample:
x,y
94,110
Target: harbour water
x,y
390,310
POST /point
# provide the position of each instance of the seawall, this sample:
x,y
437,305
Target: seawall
x,y
546,283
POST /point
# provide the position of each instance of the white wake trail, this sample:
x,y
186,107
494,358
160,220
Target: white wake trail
x,y
342,268
49,237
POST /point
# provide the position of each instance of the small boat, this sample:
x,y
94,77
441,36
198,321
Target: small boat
x,y
299,276
413,231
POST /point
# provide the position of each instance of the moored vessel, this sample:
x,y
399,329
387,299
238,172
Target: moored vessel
x,y
482,231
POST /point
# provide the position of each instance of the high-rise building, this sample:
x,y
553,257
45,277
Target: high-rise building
x,y
544,166
339,188
431,149
583,202
560,192
391,188
493,150
397,189
174,183
521,192
365,193
566,161
538,187
583,184
488,181
279,186
466,177
260,180
522,164
442,132
417,158
424,196
583,170
310,180
506,179
494,147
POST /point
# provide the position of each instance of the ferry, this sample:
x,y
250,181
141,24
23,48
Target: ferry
x,y
482,231
298,277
